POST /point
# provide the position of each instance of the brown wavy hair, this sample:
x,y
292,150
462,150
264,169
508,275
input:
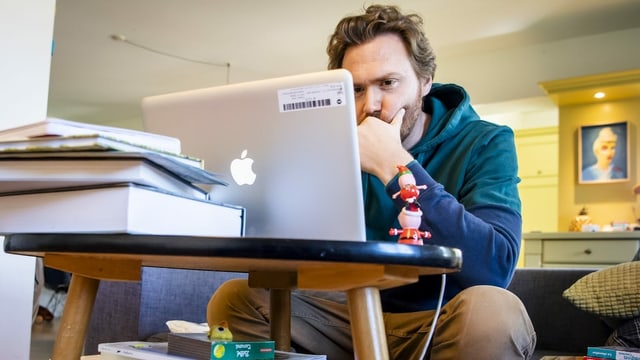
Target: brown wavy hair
x,y
383,19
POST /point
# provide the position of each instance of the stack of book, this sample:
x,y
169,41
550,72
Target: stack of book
x,y
64,176
612,352
139,350
198,346
203,349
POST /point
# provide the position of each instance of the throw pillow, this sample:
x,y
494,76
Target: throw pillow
x,y
613,292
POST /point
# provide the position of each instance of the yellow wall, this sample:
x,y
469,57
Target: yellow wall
x,y
605,202
538,171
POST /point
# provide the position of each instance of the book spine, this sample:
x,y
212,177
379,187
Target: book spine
x,y
612,354
626,355
236,350
601,353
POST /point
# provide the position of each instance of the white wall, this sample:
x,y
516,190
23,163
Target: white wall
x,y
27,28
538,112
489,80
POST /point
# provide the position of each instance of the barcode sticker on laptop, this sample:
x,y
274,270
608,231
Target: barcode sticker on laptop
x,y
312,97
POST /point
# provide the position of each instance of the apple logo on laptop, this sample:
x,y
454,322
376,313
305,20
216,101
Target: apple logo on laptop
x,y
242,171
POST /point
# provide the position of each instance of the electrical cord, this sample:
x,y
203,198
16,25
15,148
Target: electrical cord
x,y
435,317
124,39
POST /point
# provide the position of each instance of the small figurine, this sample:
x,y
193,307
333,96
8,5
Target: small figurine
x,y
220,331
409,191
410,216
582,220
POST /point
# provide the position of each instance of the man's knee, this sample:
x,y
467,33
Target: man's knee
x,y
492,306
230,292
230,289
490,294
481,310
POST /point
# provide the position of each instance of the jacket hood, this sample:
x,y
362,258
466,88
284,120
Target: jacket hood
x,y
449,108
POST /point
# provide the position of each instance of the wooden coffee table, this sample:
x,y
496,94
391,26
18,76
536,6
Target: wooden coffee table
x,y
360,269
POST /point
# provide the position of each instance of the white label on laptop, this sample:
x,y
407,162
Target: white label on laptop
x,y
311,97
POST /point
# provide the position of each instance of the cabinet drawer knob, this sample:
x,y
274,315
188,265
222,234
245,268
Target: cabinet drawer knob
x,y
588,251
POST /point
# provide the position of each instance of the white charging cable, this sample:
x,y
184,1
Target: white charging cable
x,y
435,317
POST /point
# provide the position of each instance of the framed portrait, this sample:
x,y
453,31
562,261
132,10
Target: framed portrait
x,y
603,153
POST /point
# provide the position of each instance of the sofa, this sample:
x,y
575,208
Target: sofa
x,y
138,311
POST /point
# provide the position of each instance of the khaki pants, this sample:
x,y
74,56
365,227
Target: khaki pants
x,y
482,322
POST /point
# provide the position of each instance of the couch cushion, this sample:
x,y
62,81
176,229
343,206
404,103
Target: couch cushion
x,y
560,327
115,314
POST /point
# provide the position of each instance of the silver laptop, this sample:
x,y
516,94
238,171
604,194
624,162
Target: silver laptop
x,y
287,147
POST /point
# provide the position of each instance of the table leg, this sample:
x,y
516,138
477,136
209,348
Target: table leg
x,y
75,318
280,309
367,324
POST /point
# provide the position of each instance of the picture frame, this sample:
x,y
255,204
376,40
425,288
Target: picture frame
x,y
603,153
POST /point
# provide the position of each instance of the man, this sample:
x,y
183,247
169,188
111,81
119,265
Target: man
x,y
471,202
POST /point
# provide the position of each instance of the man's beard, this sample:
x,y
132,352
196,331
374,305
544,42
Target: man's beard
x,y
412,114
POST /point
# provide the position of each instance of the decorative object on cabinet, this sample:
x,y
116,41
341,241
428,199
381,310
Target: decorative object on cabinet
x,y
580,220
603,153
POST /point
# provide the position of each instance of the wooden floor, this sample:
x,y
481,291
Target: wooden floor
x,y
43,333
51,299
42,337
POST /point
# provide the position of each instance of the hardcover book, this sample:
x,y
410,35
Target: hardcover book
x,y
193,174
91,142
116,208
614,352
139,350
285,355
34,173
198,346
53,127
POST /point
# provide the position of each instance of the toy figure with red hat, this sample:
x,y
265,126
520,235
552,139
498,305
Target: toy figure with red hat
x,y
410,216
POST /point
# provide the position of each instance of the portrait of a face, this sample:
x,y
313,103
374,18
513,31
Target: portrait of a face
x,y
603,153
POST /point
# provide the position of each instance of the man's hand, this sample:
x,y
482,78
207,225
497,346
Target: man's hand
x,y
381,147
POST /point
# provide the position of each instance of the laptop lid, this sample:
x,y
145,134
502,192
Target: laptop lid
x,y
287,147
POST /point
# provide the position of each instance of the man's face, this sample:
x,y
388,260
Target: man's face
x,y
385,81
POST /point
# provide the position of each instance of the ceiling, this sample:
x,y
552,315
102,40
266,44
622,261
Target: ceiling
x,y
500,50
